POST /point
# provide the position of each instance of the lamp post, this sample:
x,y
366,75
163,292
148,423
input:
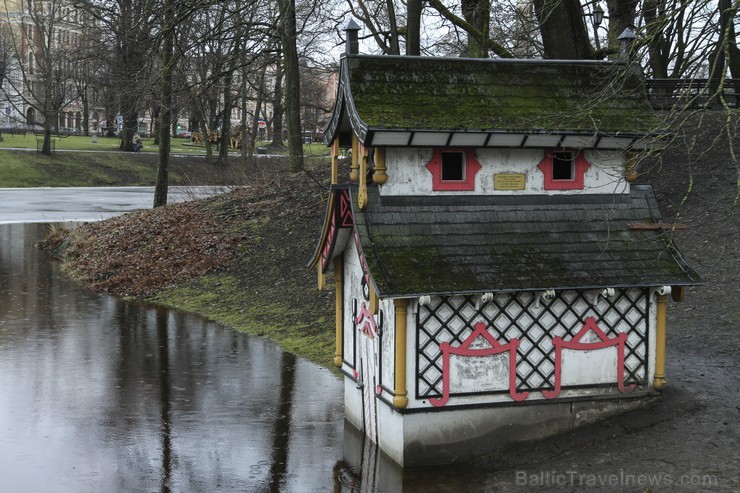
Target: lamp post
x,y
596,17
626,39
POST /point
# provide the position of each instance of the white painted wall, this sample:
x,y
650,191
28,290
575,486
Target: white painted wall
x,y
352,290
408,175
387,348
352,339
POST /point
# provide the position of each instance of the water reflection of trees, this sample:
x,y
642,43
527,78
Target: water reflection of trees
x,y
159,399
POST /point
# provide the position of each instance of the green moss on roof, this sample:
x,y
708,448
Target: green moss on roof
x,y
413,249
522,95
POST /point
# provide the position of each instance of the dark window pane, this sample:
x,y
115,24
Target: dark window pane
x,y
562,166
453,166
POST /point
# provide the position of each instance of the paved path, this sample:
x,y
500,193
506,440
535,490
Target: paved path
x,y
82,204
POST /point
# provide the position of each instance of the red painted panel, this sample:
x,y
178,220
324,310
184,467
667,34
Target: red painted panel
x,y
472,166
577,183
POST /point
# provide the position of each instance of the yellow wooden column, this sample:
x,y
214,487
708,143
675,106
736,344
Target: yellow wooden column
x,y
374,301
379,175
660,326
335,161
339,317
362,191
400,399
630,172
321,277
353,174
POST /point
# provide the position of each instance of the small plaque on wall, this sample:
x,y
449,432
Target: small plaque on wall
x,y
509,181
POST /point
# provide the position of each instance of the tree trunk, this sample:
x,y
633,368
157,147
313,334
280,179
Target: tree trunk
x,y
130,125
277,106
728,12
223,151
156,113
257,109
161,187
658,46
292,86
46,146
207,142
85,114
393,26
478,14
721,57
563,30
413,27
621,16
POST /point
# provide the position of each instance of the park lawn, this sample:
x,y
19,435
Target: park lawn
x,y
78,161
108,167
19,169
110,144
85,143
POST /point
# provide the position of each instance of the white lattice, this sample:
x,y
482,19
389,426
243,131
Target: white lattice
x,y
535,322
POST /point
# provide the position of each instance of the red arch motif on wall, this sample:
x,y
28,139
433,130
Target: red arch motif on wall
x,y
464,350
577,345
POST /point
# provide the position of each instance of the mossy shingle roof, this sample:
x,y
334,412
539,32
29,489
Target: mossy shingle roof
x,y
424,245
455,94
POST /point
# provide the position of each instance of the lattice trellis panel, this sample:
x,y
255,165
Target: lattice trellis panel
x,y
535,322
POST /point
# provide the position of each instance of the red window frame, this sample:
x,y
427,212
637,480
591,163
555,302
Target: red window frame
x,y
471,168
580,168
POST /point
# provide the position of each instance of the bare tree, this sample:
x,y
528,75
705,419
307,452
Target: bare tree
x,y
288,40
678,35
168,66
132,25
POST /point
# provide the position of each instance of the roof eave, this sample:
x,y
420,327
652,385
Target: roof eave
x,y
502,138
344,106
580,287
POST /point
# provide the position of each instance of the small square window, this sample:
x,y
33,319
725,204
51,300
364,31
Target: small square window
x,y
453,170
453,166
563,167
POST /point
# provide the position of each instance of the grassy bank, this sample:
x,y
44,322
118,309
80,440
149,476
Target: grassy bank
x,y
239,259
79,162
20,169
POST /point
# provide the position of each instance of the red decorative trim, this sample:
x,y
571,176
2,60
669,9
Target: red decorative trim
x,y
575,344
463,350
345,210
329,245
340,217
472,166
581,165
365,316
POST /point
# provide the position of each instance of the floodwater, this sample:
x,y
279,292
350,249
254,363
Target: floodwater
x,y
97,394
102,395
28,205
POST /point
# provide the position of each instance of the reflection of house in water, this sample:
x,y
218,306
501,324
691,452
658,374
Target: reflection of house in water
x,y
498,279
